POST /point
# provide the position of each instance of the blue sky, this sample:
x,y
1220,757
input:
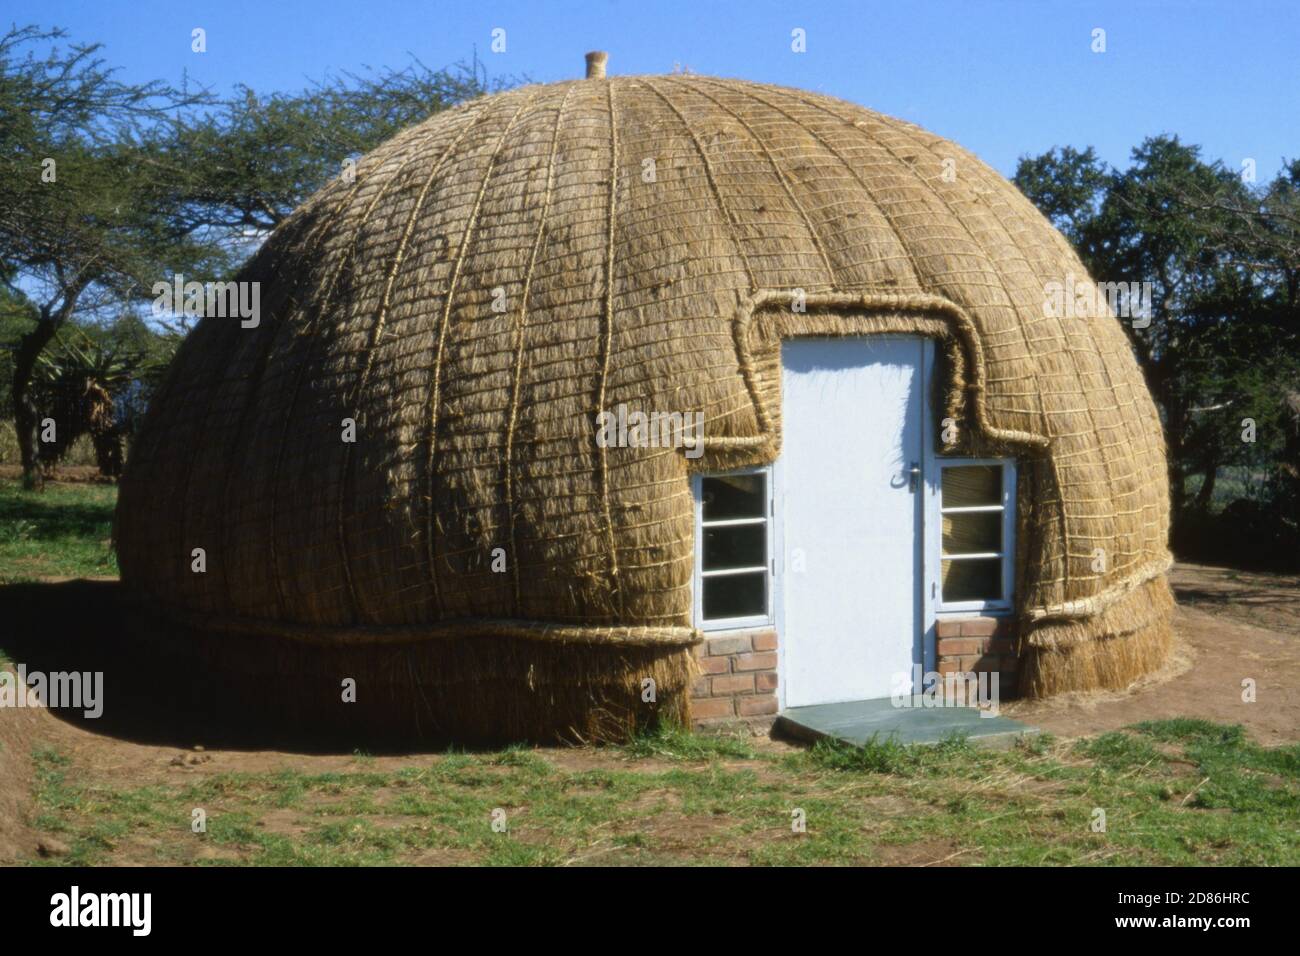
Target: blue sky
x,y
1002,78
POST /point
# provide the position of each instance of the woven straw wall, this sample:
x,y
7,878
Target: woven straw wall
x,y
475,427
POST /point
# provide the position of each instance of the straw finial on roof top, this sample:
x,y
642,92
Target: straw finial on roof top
x,y
596,60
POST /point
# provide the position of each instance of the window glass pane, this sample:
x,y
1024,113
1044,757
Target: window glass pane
x,y
971,532
735,595
734,496
967,485
975,580
735,546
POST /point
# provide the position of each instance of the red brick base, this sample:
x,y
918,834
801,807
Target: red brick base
x,y
738,678
979,644
738,668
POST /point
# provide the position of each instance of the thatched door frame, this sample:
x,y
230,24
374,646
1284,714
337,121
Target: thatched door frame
x,y
787,313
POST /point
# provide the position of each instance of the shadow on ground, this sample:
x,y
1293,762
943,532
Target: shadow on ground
x,y
154,693
1263,599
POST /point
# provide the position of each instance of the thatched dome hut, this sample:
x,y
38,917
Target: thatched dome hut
x,y
397,475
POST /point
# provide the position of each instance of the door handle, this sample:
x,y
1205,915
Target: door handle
x,y
913,476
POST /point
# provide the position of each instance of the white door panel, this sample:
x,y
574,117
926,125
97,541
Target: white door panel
x,y
850,517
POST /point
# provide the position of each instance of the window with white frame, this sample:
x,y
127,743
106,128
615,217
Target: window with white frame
x,y
976,521
733,549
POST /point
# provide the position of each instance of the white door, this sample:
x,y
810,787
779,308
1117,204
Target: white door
x,y
849,509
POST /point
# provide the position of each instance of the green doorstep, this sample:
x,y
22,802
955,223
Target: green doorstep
x,y
857,721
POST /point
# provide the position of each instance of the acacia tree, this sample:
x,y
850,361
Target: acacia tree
x,y
83,226
111,187
240,169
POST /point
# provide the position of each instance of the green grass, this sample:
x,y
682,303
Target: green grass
x,y
61,532
1179,792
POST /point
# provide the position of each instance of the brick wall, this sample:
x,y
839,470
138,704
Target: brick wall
x,y
738,668
738,678
975,644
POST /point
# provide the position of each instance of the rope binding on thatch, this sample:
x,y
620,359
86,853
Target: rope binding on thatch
x,y
923,304
338,634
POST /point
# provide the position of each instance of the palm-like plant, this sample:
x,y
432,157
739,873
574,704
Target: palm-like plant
x,y
78,383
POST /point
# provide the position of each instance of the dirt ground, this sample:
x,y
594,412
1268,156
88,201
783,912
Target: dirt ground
x,y
1230,626
19,731
1269,601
